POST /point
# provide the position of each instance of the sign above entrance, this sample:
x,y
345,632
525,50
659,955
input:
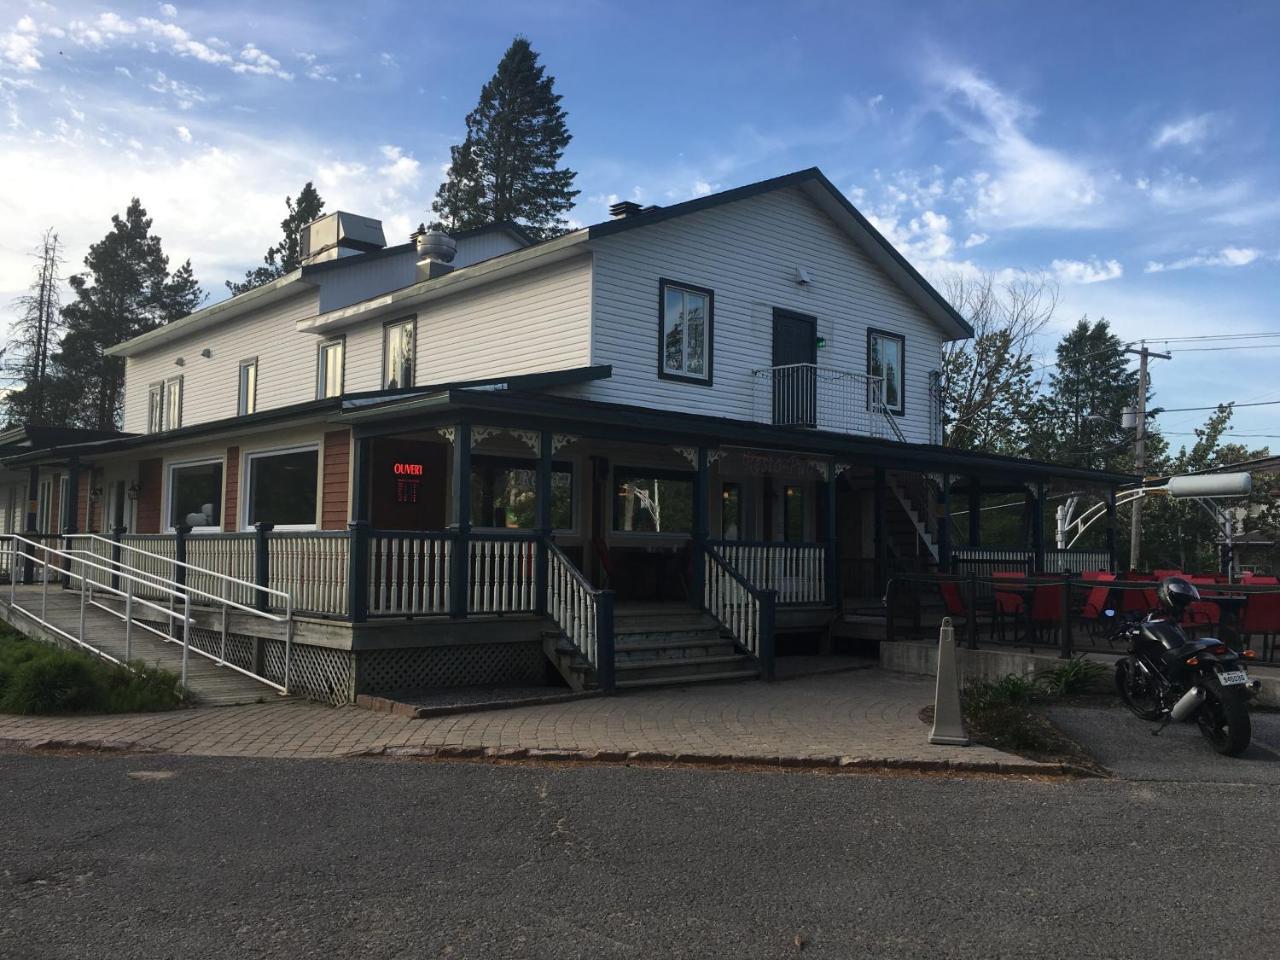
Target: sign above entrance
x,y
408,469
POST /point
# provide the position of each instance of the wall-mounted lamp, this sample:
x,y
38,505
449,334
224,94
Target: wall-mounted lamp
x,y
135,490
179,362
95,495
206,353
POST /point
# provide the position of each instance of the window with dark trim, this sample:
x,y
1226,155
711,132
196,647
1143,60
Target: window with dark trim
x,y
248,396
504,493
886,360
195,495
686,321
793,513
331,357
731,511
652,501
282,487
397,353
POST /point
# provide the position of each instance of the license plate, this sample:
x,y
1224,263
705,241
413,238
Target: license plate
x,y
1231,677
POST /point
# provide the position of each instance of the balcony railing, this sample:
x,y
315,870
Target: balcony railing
x,y
823,398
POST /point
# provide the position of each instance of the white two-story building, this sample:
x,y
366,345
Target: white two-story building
x,y
466,458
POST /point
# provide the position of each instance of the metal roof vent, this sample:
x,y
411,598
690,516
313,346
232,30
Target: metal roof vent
x,y
340,235
624,208
436,250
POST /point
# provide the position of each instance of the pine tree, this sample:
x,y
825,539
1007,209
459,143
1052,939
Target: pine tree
x,y
287,255
34,336
506,168
126,291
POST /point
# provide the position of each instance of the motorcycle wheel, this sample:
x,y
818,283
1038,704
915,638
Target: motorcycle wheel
x,y
1136,692
1224,720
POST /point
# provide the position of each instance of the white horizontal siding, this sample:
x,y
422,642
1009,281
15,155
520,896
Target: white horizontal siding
x,y
748,252
210,385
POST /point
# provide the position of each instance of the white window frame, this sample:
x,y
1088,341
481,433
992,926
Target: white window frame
x,y
246,400
155,407
900,408
167,500
412,323
687,290
321,383
172,386
246,499
44,504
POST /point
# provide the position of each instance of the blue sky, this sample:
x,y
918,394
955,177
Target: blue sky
x,y
1126,150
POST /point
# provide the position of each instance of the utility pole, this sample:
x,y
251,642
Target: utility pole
x,y
1140,448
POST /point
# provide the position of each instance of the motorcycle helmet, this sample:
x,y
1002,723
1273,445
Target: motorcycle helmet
x,y
1175,594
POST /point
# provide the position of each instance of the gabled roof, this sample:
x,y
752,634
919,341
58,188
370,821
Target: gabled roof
x,y
828,197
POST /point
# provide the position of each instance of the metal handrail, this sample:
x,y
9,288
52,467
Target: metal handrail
x,y
122,572
204,571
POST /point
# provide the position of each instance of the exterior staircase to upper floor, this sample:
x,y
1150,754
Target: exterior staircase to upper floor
x,y
656,645
911,535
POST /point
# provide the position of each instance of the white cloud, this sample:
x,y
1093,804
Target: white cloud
x,y
1226,257
388,60
1183,133
183,133
701,188
1092,270
1031,184
975,240
926,237
20,47
400,170
186,95
253,60
168,10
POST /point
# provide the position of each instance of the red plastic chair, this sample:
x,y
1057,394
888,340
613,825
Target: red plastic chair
x,y
1046,607
951,599
1254,580
1262,619
1204,612
1096,601
1009,604
1165,574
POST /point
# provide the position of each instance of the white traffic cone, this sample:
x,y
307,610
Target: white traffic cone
x,y
948,724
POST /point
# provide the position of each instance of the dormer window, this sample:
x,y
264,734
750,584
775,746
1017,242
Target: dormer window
x,y
685,316
397,354
886,356
155,407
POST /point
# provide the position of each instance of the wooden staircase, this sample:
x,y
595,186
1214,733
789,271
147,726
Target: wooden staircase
x,y
657,645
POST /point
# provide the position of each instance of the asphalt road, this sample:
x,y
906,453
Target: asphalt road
x,y
1124,745
373,859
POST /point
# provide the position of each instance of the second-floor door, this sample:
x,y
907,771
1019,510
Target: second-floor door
x,y
795,355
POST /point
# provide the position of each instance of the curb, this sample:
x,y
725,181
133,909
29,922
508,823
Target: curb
x,y
1011,768
64,743
412,711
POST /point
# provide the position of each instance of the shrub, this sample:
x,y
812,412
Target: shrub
x,y
56,682
1073,677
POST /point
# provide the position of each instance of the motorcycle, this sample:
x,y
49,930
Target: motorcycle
x,y
1169,677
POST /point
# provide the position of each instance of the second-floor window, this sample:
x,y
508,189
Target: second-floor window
x,y
248,402
155,408
397,354
886,354
685,315
329,365
173,403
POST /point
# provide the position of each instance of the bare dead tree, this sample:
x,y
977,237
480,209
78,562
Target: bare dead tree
x,y
988,383
35,334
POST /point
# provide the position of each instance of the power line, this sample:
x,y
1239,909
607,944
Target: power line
x,y
1243,346
1225,403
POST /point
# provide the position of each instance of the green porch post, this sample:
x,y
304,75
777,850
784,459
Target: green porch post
x,y
358,532
542,521
879,539
460,522
832,571
1037,528
698,543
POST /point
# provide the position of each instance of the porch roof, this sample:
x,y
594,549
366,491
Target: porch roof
x,y
606,420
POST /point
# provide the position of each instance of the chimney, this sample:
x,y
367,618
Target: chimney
x,y
436,250
624,208
340,235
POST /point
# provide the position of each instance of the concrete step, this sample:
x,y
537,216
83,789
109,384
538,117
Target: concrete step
x,y
631,684
688,667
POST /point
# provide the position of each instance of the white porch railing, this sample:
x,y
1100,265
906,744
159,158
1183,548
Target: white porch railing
x,y
501,573
409,573
740,608
311,567
795,571
823,398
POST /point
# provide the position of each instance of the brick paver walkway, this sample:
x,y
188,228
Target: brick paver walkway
x,y
864,714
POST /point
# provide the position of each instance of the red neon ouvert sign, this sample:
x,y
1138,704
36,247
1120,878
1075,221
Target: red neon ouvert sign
x,y
408,469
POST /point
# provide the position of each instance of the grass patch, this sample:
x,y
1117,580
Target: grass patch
x,y
36,677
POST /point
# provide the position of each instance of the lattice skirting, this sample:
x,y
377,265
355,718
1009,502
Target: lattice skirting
x,y
464,665
317,673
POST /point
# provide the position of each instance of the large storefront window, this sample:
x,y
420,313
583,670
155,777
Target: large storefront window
x,y
650,501
504,493
195,494
282,488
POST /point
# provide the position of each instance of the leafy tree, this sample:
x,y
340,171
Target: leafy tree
x,y
987,386
126,290
34,337
287,255
1078,419
507,167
